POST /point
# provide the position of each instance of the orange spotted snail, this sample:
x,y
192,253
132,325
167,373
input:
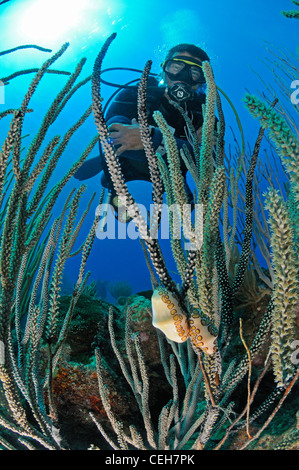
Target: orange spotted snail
x,y
169,318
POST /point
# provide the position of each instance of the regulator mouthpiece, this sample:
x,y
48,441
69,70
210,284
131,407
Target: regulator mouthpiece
x,y
180,92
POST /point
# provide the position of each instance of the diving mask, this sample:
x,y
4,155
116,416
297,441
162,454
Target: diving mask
x,y
186,72
184,69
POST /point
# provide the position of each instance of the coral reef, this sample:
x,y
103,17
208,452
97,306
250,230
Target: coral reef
x,y
79,361
34,253
120,291
209,287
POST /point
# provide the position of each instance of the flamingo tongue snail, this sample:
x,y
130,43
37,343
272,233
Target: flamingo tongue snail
x,y
169,317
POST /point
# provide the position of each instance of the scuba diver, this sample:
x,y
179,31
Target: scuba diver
x,y
183,81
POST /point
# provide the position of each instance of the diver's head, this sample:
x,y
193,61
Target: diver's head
x,y
182,71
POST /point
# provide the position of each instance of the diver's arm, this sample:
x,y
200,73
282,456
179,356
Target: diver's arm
x,y
125,137
128,143
93,166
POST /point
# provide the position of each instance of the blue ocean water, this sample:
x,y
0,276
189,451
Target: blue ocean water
x,y
235,34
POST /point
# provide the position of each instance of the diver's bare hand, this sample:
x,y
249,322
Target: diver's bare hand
x,y
127,136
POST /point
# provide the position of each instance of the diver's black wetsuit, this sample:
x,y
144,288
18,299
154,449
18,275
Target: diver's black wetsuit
x,y
122,110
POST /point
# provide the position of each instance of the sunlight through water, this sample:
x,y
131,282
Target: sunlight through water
x,y
54,22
